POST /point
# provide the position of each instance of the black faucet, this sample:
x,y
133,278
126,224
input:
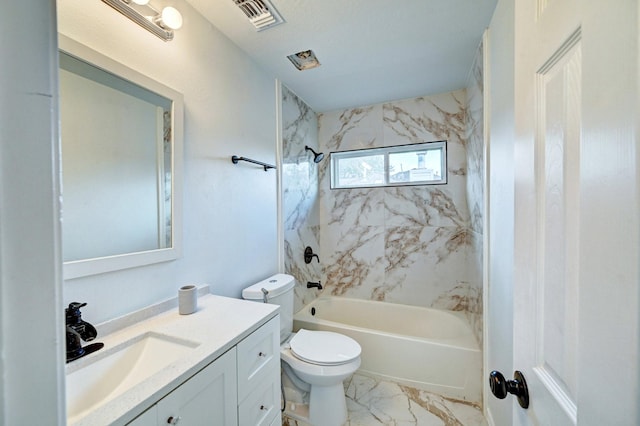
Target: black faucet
x,y
78,330
312,285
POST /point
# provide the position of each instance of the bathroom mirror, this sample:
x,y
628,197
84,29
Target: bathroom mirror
x,y
121,139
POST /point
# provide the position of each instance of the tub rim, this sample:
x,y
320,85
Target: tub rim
x,y
304,314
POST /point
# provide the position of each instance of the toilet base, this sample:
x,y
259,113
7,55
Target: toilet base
x,y
319,406
298,412
329,408
328,405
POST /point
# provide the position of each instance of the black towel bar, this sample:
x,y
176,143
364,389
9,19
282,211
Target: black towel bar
x,y
235,159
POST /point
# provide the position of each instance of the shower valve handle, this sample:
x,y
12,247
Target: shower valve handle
x,y
309,255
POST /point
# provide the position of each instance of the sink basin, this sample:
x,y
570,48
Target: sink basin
x,y
115,370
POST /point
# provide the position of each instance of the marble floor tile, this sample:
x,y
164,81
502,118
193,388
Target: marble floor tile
x,y
372,402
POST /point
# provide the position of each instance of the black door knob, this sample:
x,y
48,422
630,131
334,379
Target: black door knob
x,y
501,387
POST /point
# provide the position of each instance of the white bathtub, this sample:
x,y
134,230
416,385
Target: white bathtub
x,y
425,348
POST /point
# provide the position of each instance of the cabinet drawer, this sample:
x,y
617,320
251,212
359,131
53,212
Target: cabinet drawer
x,y
262,405
258,357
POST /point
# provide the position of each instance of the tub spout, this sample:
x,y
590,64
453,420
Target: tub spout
x,y
316,285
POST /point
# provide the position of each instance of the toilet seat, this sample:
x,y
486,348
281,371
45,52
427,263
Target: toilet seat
x,y
324,347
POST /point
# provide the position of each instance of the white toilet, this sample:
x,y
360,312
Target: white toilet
x,y
314,363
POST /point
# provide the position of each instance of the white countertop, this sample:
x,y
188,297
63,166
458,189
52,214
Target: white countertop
x,y
218,325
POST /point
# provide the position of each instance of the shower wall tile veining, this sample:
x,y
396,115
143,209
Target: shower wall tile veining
x,y
475,189
410,244
300,194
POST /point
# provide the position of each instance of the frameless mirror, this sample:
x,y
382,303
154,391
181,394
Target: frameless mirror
x,y
121,138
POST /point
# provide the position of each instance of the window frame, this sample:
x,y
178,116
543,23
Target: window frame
x,y
336,156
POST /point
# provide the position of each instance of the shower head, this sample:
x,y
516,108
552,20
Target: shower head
x,y
317,156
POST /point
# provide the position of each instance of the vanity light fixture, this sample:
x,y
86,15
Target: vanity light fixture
x,y
161,23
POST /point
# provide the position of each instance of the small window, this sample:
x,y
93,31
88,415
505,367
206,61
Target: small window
x,y
415,164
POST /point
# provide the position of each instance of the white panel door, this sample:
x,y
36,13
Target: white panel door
x,y
556,254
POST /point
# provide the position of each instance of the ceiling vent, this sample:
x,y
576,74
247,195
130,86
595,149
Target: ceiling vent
x,y
304,60
261,13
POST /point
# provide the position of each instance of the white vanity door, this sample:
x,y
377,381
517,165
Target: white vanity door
x,y
208,398
148,418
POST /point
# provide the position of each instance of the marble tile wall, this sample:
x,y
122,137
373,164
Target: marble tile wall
x,y
475,189
417,245
407,244
300,194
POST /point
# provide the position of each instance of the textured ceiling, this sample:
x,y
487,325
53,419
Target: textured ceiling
x,y
371,51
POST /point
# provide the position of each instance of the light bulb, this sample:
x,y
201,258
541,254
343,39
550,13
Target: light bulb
x,y
171,18
140,2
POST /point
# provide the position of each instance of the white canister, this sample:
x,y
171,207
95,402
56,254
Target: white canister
x,y
187,299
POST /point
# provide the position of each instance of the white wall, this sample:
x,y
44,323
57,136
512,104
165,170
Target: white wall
x,y
229,211
499,345
31,335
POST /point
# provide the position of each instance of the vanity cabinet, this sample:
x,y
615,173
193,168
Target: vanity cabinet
x,y
259,376
241,387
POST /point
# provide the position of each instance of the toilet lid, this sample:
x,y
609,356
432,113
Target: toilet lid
x,y
324,347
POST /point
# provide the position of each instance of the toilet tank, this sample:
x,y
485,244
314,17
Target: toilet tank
x,y
279,289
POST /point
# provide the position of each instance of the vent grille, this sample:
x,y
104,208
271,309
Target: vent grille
x,y
261,13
